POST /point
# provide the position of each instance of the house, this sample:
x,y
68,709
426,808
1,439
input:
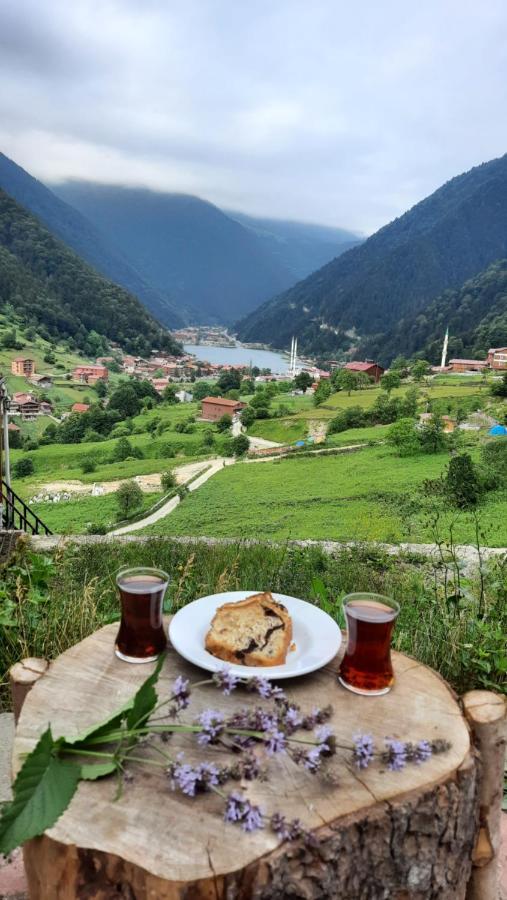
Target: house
x,y
370,368
467,365
497,358
12,427
160,384
90,374
41,381
213,408
102,360
23,365
184,396
25,405
80,407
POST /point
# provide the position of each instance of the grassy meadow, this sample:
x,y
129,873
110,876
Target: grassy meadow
x,y
367,495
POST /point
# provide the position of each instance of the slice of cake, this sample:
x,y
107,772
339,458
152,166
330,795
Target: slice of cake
x,y
256,631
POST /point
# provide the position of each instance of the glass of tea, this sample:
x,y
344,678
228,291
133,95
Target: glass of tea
x,y
366,667
141,637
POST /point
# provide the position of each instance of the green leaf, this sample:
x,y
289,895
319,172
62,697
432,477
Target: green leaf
x,y
42,791
146,698
108,726
92,771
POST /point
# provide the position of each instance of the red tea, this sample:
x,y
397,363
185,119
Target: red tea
x,y
141,636
366,666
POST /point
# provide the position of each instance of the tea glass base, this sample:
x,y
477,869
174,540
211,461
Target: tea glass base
x,y
363,691
135,659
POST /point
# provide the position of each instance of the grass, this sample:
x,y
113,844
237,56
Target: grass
x,y
48,603
283,431
74,516
368,495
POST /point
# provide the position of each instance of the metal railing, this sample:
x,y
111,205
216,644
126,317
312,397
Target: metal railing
x,y
17,515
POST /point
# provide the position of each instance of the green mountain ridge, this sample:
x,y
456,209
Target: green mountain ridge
x,y
475,313
441,242
78,233
63,297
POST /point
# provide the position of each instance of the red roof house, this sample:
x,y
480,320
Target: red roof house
x,y
497,358
372,369
213,408
80,407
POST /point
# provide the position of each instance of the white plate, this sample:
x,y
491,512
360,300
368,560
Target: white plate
x,y
315,634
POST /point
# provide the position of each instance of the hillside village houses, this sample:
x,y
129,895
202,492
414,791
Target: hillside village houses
x,y
90,374
23,365
27,406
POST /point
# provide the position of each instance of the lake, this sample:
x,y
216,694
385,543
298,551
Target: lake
x,y
239,356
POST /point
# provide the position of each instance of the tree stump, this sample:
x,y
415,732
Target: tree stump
x,y
405,835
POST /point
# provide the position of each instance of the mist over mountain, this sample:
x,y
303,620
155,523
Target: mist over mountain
x,y
80,235
218,266
63,297
358,299
302,247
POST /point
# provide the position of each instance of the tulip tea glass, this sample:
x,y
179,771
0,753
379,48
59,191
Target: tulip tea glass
x,y
141,637
366,667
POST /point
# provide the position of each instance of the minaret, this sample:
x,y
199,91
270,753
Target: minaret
x,y
444,349
295,355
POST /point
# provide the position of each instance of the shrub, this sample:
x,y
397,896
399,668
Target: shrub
x,y
125,450
403,436
462,483
88,464
129,497
240,445
30,444
96,529
432,437
224,424
23,467
494,457
168,481
248,416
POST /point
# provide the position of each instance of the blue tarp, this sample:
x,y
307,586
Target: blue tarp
x,y
498,429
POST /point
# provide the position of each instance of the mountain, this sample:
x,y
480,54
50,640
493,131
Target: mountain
x,y
218,266
449,237
475,313
54,290
301,247
80,235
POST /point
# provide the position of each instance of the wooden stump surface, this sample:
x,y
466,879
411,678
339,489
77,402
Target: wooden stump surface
x,y
182,839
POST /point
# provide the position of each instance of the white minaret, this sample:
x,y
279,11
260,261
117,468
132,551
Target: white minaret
x,y
295,355
444,350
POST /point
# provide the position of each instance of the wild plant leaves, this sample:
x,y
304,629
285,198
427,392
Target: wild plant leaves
x,y
146,698
43,789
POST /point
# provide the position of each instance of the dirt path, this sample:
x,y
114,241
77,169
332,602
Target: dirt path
x,y
148,483
215,465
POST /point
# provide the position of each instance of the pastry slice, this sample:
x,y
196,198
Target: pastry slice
x,y
256,631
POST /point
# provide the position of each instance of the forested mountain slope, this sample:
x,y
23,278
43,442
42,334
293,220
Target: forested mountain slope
x,y
80,235
438,244
51,287
475,313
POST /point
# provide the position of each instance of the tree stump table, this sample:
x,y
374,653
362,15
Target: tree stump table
x,y
378,834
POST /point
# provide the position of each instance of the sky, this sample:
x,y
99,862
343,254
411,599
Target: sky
x,y
324,111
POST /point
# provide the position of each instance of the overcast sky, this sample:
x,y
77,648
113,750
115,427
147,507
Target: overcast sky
x,y
345,113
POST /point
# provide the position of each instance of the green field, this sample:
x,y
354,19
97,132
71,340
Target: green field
x,y
367,495
74,516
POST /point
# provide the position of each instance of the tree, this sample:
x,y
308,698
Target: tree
x,y
225,423
462,482
88,464
126,400
208,438
303,381
168,481
129,497
15,440
389,382
240,445
101,388
419,369
248,416
499,388
432,437
229,381
23,467
403,436
323,392
169,394
124,450
345,380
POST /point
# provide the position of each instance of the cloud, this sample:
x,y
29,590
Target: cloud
x,y
324,111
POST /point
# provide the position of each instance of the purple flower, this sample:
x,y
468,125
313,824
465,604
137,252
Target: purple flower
x,y
181,692
395,755
363,750
323,733
313,758
423,752
239,809
191,780
292,719
212,724
275,741
286,831
265,689
250,767
225,680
